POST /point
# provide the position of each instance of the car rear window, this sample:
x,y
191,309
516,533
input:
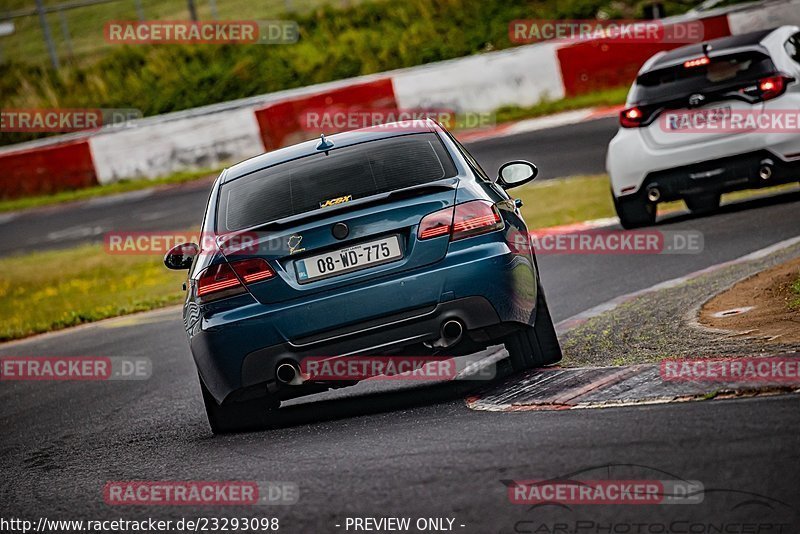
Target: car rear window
x,y
678,82
357,171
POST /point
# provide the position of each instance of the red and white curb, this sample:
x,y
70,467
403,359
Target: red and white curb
x,y
556,388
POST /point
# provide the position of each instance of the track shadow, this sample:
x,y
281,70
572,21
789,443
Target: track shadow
x,y
375,402
733,207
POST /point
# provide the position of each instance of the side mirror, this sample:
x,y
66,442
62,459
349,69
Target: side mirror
x,y
516,173
180,257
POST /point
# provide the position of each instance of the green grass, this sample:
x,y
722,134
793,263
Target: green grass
x,y
794,297
45,291
86,23
102,190
608,97
582,198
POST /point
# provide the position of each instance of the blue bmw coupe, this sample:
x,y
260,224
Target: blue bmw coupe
x,y
388,240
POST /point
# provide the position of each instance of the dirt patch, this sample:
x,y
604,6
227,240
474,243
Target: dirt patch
x,y
768,294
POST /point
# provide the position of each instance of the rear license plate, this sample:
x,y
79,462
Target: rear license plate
x,y
348,259
698,119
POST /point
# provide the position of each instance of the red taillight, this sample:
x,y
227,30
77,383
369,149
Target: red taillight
x,y
253,270
219,281
476,217
697,62
464,220
772,86
436,224
631,117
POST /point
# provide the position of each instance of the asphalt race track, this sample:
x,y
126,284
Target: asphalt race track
x,y
179,208
386,449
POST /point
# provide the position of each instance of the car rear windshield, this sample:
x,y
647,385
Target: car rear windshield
x,y
351,173
679,82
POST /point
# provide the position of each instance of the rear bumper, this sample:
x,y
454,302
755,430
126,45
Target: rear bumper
x,y
481,281
414,327
631,160
722,175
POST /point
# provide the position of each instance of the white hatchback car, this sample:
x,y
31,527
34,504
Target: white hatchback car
x,y
692,126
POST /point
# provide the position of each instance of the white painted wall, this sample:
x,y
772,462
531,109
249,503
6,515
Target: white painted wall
x,y
149,150
772,14
482,83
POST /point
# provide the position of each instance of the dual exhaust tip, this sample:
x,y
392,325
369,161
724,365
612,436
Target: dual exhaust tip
x,y
450,333
765,172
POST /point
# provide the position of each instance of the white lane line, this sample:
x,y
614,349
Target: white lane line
x,y
580,318
8,217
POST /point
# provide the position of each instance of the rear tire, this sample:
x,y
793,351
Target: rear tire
x,y
703,203
635,212
230,417
537,345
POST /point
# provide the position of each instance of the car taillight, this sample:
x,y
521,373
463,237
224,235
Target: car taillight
x,y
461,221
476,217
696,62
631,117
253,270
220,281
772,86
436,224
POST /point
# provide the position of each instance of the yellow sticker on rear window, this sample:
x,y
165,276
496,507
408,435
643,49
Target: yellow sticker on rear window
x,y
334,201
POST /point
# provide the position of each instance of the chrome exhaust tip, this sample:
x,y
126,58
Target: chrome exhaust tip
x,y
653,193
449,334
452,331
288,373
765,169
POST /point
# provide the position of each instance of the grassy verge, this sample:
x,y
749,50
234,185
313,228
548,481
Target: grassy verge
x,y
102,190
46,291
582,198
608,97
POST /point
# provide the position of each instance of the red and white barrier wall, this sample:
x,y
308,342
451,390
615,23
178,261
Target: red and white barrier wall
x,y
217,135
